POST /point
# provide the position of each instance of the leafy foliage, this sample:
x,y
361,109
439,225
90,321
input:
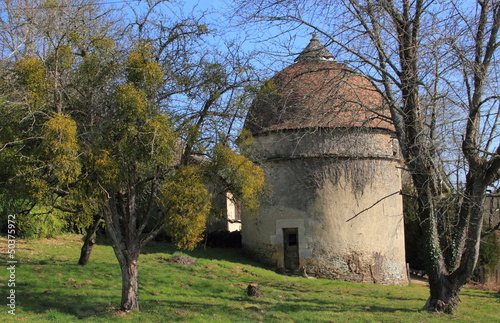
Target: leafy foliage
x,y
142,70
85,131
238,175
131,103
61,148
101,168
246,142
33,74
97,67
61,60
41,223
186,202
141,133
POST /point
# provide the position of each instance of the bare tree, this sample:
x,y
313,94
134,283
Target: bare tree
x,y
435,65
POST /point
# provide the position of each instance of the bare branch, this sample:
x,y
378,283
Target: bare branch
x,y
371,206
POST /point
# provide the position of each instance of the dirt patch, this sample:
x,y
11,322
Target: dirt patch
x,y
181,260
119,313
418,280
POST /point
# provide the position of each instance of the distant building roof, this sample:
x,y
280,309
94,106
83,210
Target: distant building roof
x,y
317,92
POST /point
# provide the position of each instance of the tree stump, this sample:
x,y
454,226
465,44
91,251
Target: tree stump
x,y
254,290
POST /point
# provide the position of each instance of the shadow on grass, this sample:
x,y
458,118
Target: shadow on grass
x,y
59,289
69,302
227,254
234,255
479,293
244,308
337,308
406,298
47,291
81,303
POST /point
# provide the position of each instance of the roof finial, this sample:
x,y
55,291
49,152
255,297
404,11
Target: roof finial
x,y
315,50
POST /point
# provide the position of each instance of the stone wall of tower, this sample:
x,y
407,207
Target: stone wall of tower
x,y
339,189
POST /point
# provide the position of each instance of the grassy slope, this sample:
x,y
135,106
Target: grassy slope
x,y
51,287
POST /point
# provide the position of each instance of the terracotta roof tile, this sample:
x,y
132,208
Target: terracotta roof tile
x,y
317,93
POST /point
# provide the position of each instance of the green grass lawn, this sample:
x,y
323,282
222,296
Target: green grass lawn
x,y
51,287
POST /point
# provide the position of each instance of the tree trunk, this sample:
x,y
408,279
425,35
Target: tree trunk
x,y
121,227
447,279
88,242
130,285
443,296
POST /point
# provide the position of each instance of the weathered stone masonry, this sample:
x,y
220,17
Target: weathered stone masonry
x,y
327,147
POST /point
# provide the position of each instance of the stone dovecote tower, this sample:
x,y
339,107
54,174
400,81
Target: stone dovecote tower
x,y
326,143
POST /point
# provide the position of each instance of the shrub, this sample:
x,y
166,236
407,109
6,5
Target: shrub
x,y
38,224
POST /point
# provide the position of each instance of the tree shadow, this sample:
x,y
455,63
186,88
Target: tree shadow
x,y
233,255
68,302
472,292
76,303
291,308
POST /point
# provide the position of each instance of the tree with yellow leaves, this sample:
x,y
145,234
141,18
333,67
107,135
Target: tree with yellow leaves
x,y
155,187
99,126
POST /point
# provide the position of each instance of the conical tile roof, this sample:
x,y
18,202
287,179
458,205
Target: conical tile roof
x,y
315,50
317,92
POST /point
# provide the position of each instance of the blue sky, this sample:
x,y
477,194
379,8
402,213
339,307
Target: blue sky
x,y
276,49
